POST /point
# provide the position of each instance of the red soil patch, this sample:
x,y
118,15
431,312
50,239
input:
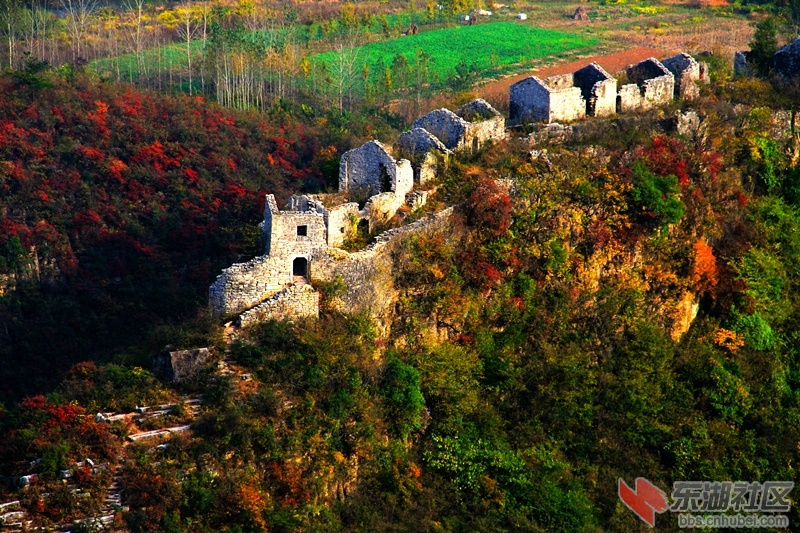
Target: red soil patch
x,y
497,91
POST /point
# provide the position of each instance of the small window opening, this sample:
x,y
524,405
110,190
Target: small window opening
x,y
302,231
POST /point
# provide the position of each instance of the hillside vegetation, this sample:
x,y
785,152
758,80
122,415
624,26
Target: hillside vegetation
x,y
543,346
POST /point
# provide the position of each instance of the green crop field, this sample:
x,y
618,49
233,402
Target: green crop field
x,y
486,47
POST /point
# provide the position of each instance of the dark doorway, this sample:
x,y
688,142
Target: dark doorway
x,y
300,267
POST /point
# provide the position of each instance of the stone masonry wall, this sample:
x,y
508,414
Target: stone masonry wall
x,y
567,105
656,83
369,169
445,125
342,222
598,88
687,72
243,285
297,301
483,132
629,98
560,81
369,273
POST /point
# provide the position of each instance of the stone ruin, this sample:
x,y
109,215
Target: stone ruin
x,y
427,154
472,126
687,72
652,85
181,365
564,98
786,61
370,169
598,88
555,99
303,241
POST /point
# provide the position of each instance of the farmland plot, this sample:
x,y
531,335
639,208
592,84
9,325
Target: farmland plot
x,y
491,47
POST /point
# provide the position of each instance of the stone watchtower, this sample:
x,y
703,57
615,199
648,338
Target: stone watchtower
x,y
294,236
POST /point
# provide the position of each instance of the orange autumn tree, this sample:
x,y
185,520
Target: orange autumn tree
x,y
704,267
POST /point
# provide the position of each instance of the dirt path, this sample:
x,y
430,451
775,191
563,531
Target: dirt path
x,y
614,62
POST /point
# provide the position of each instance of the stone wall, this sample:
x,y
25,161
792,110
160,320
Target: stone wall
x,y
560,81
403,179
567,105
381,207
687,73
369,273
295,302
787,60
243,285
656,83
367,170
484,132
446,126
342,223
599,90
629,98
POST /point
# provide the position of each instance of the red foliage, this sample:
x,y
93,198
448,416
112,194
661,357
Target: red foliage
x,y
742,198
489,208
668,156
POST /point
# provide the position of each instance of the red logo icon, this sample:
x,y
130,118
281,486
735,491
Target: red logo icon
x,y
645,501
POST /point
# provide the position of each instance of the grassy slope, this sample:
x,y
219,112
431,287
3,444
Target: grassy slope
x,y
485,46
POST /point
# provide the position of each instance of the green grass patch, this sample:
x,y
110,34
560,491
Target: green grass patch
x,y
486,47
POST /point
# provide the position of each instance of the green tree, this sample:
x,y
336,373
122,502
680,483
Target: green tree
x,y
656,197
400,388
763,46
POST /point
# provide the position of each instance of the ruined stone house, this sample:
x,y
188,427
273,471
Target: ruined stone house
x,y
687,72
589,91
472,126
787,60
427,154
370,169
555,99
598,88
485,124
652,85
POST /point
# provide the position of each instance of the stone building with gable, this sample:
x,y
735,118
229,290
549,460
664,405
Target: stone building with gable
x,y
598,88
652,84
589,91
554,99
687,72
427,154
468,129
